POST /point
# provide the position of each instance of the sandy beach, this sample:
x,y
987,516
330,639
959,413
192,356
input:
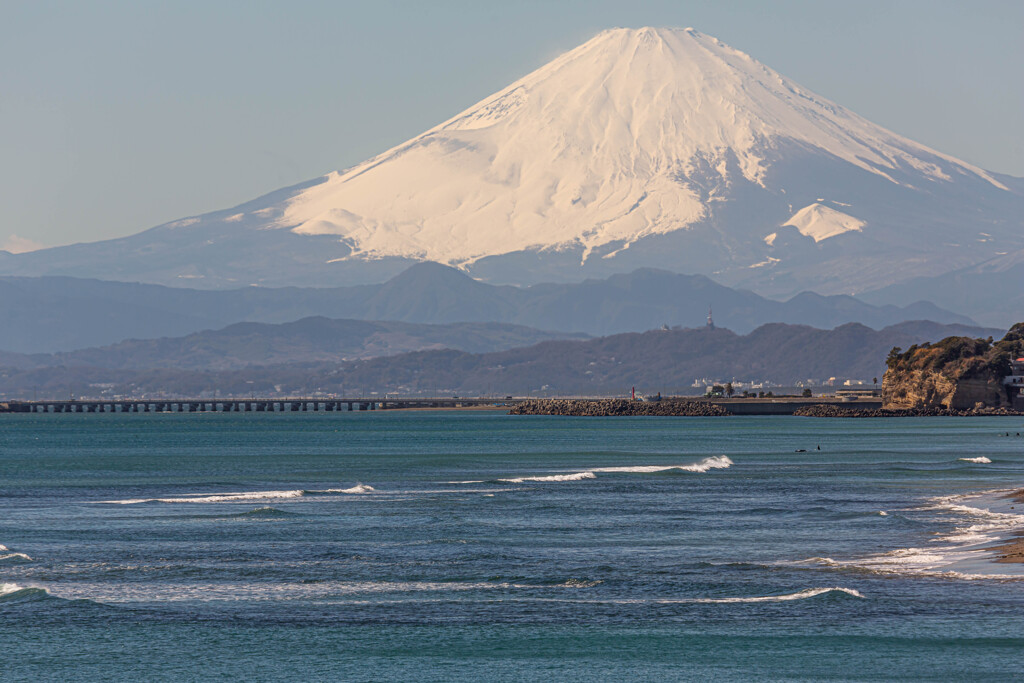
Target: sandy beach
x,y
1012,552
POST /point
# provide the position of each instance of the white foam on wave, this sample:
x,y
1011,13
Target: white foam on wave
x,y
8,554
799,595
162,591
241,496
227,497
358,488
719,462
333,590
981,460
984,526
12,591
950,554
15,556
713,463
8,588
923,562
575,476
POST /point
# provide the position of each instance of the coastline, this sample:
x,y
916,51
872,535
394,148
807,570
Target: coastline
x,y
824,410
1011,551
688,407
985,543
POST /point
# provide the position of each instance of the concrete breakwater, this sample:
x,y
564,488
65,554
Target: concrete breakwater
x,y
618,406
837,411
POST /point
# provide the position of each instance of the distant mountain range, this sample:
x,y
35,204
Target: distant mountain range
x,y
659,360
304,341
56,314
992,291
667,361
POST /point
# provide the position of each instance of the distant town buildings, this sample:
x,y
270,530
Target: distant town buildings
x,y
706,385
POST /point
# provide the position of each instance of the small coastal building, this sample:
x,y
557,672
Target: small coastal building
x,y
1014,384
854,394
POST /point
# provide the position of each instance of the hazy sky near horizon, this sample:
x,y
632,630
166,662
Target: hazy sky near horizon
x,y
117,116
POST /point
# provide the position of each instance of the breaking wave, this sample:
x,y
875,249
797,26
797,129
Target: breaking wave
x,y
6,554
12,592
981,460
949,554
358,488
719,462
799,595
241,496
577,476
984,525
713,463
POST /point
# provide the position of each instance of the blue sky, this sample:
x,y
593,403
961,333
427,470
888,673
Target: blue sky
x,y
118,116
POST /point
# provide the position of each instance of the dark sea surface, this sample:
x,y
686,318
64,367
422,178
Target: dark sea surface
x,y
441,546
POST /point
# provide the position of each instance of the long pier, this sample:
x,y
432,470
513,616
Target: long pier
x,y
242,405
737,406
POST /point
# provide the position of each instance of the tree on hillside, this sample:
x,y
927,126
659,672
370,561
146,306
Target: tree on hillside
x,y
729,391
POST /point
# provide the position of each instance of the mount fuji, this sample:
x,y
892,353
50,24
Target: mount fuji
x,y
660,148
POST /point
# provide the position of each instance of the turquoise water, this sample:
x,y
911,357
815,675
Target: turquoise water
x,y
475,545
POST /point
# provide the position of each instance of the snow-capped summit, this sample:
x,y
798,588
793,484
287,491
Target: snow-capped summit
x,y
598,147
642,147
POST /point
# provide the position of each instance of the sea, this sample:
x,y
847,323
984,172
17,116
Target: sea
x,y
474,545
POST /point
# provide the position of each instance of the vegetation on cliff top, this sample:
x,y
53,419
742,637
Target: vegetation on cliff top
x,y
962,357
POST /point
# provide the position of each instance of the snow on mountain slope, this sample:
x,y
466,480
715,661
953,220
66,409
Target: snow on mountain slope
x,y
597,148
642,148
820,222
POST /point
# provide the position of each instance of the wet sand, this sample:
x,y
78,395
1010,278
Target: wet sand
x,y
1012,552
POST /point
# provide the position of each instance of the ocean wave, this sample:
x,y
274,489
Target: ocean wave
x,y
227,497
922,562
981,460
984,525
358,488
7,554
15,557
951,553
712,463
111,595
576,476
170,592
799,595
241,496
12,592
265,512
578,583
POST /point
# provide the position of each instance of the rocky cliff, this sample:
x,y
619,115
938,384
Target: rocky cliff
x,y
957,373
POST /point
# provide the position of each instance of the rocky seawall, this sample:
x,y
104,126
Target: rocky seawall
x,y
837,411
618,406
